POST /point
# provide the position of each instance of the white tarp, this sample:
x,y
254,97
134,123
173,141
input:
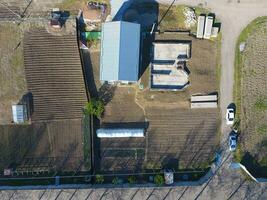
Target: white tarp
x,y
119,132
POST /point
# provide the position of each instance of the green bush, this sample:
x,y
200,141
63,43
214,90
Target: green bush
x,y
159,180
115,181
95,107
131,179
99,179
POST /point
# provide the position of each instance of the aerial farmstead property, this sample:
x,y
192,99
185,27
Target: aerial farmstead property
x,y
158,88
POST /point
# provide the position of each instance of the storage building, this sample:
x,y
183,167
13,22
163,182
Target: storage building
x,y
200,26
120,48
208,27
19,113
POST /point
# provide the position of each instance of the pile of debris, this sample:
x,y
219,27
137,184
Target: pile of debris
x,y
190,17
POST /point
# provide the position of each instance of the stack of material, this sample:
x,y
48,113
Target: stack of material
x,y
204,101
208,27
190,17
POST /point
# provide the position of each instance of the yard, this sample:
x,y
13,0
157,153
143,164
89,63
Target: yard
x,y
12,75
250,96
204,72
41,147
177,137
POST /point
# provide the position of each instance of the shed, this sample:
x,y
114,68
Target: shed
x,y
200,26
208,27
120,48
19,113
119,132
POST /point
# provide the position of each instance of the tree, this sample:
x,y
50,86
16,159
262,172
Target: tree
x,y
99,179
95,107
159,180
131,180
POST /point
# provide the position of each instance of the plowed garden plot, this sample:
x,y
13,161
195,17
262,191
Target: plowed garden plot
x,y
181,138
54,75
53,146
253,86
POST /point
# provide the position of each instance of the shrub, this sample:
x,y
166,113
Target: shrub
x,y
95,107
99,179
115,181
131,179
159,180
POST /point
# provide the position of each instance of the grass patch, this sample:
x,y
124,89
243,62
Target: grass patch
x,y
87,141
238,154
262,129
261,104
239,60
174,19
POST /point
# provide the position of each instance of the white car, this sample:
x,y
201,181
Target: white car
x,y
230,116
232,141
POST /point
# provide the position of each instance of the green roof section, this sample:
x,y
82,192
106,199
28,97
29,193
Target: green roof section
x,y
93,35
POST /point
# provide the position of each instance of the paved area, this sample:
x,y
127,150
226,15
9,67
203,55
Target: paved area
x,y
227,183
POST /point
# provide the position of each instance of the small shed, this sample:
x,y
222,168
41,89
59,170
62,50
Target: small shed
x,y
19,113
200,26
208,27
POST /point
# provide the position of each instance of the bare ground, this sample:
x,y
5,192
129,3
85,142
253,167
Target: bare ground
x,y
203,75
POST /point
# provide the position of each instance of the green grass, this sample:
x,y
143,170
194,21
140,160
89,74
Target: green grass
x,y
262,129
87,141
239,60
175,18
238,155
261,104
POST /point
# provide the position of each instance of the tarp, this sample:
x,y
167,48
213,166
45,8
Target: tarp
x,y
93,35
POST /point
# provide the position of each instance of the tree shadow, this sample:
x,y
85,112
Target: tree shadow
x,y
27,99
253,166
89,73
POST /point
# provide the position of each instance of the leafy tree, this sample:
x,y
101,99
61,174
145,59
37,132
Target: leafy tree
x,y
115,181
99,178
95,107
159,180
131,180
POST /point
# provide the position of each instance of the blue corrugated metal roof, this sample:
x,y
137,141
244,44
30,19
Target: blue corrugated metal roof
x,y
120,51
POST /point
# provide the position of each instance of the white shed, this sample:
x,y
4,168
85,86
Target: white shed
x,y
19,113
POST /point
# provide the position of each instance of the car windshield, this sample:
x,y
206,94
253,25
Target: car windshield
x,y
233,146
230,117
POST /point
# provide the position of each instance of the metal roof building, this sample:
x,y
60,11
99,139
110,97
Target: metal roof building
x,y
120,47
119,132
19,113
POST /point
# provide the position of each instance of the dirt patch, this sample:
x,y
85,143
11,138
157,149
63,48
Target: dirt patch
x,y
12,75
51,146
253,94
202,77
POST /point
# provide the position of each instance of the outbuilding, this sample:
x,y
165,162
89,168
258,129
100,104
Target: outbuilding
x,y
120,48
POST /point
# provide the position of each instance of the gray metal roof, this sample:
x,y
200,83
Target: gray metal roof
x,y
120,43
